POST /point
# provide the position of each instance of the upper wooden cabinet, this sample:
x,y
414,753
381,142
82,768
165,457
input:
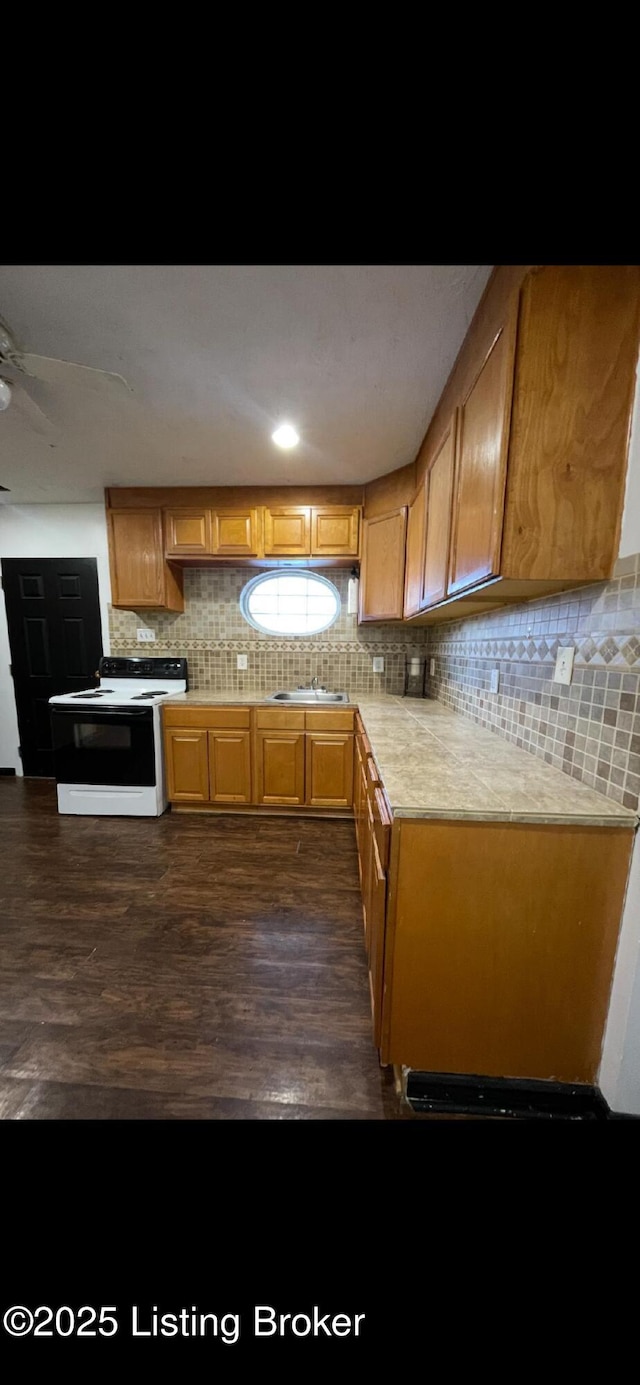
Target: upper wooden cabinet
x,y
187,531
140,577
287,531
523,490
236,533
438,495
383,560
335,531
413,580
481,464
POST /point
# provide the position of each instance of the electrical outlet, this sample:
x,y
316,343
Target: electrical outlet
x,y
432,667
241,661
564,664
495,679
378,664
145,636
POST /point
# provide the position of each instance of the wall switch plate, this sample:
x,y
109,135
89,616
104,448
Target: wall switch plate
x,y
564,664
432,667
145,636
241,661
495,679
378,664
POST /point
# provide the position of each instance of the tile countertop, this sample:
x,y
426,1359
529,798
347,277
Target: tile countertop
x,y
435,763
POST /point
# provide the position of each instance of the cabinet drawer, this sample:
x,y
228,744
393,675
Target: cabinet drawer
x,y
381,827
329,721
373,776
279,719
209,718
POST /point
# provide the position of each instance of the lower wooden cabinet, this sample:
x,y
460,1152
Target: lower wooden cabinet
x,y
230,766
329,770
187,765
279,769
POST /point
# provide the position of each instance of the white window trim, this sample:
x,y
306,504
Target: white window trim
x,y
286,634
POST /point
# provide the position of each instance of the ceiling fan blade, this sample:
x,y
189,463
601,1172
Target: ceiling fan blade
x,y
35,417
67,373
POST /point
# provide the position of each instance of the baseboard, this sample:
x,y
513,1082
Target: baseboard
x,y
5,769
527,1099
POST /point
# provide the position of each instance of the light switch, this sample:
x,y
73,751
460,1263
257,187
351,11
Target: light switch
x,y
145,636
432,667
378,664
564,664
241,661
495,680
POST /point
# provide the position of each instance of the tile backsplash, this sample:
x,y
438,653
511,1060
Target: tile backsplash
x,y
212,631
589,728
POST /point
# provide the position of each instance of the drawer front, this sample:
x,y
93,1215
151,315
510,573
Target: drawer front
x,y
329,721
279,719
381,827
373,776
209,718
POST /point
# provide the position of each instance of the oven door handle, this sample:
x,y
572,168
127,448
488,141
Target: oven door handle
x,y
104,711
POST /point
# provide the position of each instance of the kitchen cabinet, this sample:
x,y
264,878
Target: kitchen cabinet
x,y
481,464
236,533
383,563
287,531
438,502
416,524
335,531
187,765
280,767
140,576
229,766
187,532
540,397
329,769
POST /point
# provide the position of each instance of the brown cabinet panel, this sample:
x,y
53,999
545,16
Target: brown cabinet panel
x,y
287,531
187,531
481,461
227,718
137,561
335,531
279,767
328,721
439,497
377,930
415,554
236,533
383,558
329,769
279,718
229,766
187,765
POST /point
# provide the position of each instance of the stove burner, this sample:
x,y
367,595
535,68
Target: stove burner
x,y
139,697
85,696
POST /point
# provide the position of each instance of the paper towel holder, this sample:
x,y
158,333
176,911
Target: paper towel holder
x,y
352,593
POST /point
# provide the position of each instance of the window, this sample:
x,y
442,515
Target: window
x,y
284,603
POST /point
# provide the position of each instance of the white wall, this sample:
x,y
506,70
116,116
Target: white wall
x,y
46,531
620,1065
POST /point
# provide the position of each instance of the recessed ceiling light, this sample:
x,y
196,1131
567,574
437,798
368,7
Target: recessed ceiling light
x,y
285,436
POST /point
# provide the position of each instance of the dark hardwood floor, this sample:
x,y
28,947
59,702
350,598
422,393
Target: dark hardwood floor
x,y
182,968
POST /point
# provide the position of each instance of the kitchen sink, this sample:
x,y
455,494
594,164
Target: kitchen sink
x,y
311,695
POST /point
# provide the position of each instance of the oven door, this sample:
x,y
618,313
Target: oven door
x,y
113,746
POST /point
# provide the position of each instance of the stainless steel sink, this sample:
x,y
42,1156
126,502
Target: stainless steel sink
x,y
309,695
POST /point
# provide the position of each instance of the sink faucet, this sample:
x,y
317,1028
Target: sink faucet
x,y
314,683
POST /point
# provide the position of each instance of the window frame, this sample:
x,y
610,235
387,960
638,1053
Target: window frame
x,y
261,577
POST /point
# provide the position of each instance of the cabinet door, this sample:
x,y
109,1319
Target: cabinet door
x,y
236,533
335,531
187,531
187,765
230,766
415,555
481,464
377,926
287,531
439,493
382,575
137,559
329,769
280,767
357,801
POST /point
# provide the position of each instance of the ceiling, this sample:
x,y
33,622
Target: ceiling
x,y
214,357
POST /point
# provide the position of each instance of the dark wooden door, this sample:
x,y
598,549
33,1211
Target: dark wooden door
x,y
55,636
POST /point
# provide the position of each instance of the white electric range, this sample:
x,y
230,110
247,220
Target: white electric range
x,y
107,741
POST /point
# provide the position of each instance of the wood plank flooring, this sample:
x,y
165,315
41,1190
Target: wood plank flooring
x,y
182,968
